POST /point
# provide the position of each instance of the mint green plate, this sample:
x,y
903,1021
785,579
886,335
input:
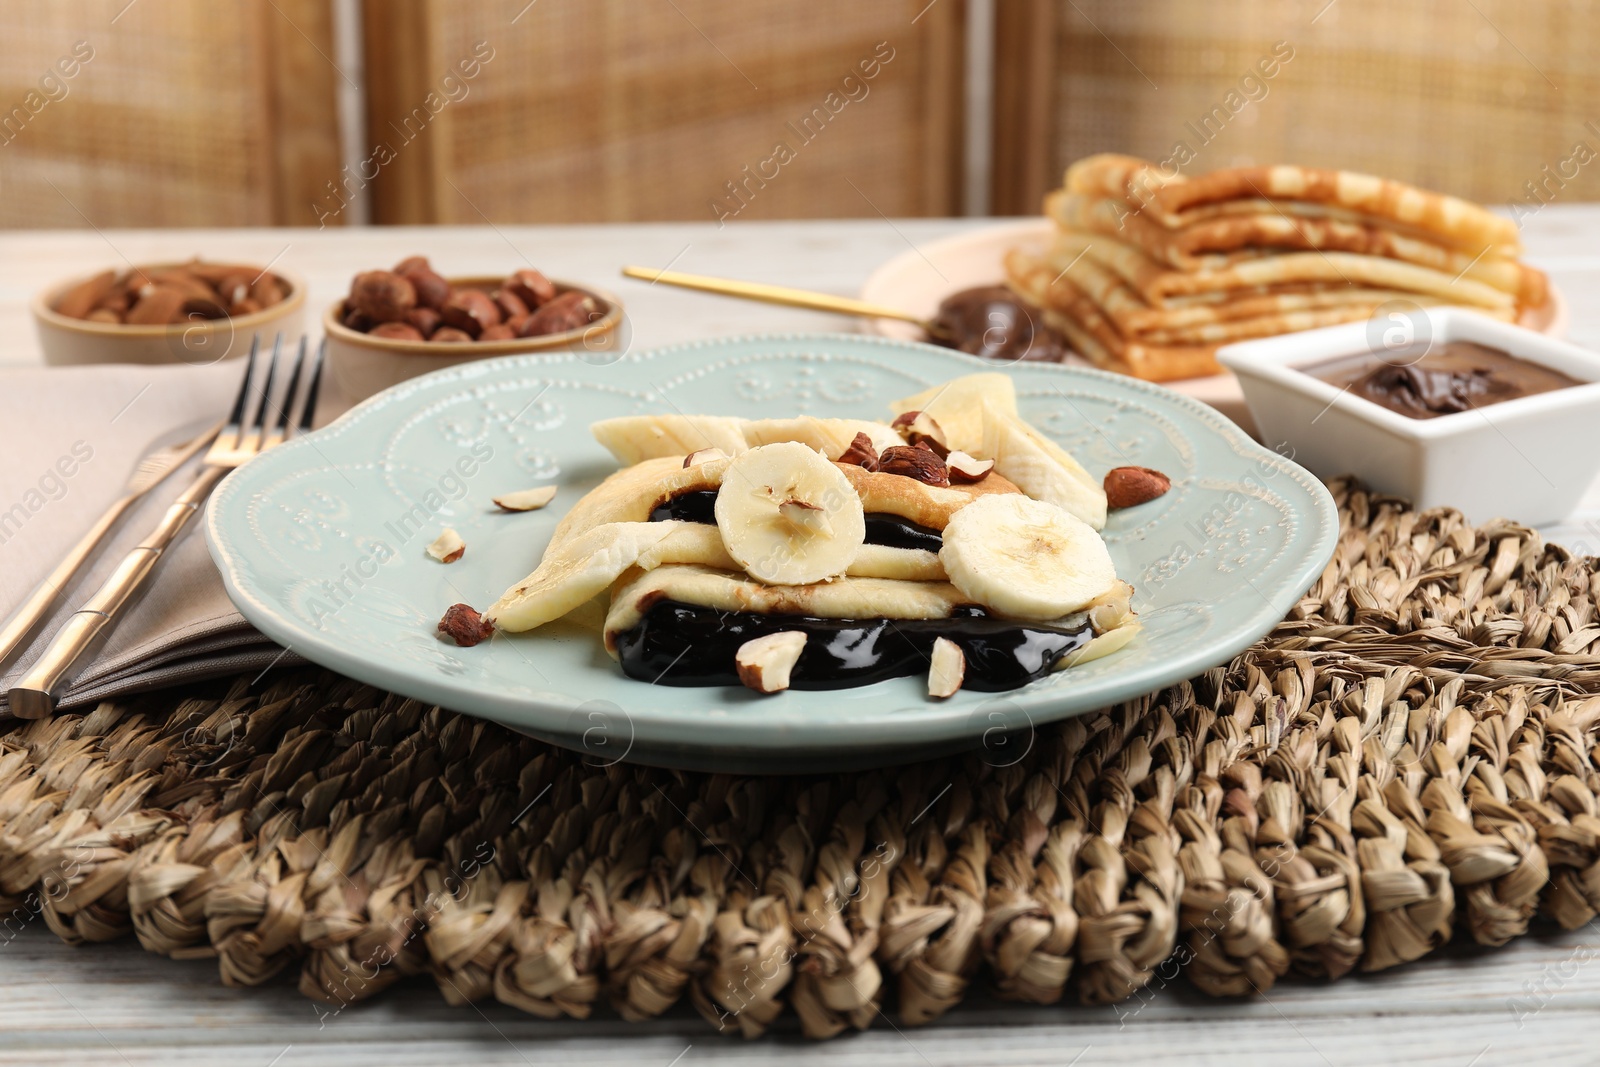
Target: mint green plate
x,y
320,542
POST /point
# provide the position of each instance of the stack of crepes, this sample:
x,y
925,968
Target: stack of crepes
x,y
1149,273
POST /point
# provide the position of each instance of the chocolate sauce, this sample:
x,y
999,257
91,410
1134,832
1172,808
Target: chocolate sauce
x,y
840,653
894,532
696,506
993,322
890,530
1442,379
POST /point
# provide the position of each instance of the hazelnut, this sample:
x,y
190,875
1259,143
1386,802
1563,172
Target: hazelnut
x,y
511,305
463,625
448,546
103,315
947,668
470,310
572,310
965,468
1128,487
806,516
923,464
765,663
919,428
432,290
396,331
498,332
411,263
425,319
451,334
382,296
355,320
861,453
243,307
526,499
703,455
531,287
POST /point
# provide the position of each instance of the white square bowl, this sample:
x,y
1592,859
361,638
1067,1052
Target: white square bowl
x,y
1528,459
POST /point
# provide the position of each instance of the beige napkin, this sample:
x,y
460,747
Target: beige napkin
x,y
69,439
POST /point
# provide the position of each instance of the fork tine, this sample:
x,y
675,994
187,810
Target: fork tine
x,y
309,412
258,425
289,394
236,418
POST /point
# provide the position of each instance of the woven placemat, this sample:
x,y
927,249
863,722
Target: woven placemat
x,y
1409,757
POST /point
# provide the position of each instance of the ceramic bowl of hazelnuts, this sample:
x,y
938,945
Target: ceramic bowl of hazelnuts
x,y
397,324
195,312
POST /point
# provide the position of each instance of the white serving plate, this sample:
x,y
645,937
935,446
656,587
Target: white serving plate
x,y
1528,459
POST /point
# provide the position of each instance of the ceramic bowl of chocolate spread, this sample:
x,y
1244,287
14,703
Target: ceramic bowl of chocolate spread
x,y
992,322
1441,378
1471,413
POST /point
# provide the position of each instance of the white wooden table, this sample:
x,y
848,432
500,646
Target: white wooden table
x,y
1463,1007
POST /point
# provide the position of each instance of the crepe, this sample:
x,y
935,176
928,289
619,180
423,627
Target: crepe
x,y
1271,229
1110,617
1155,281
1150,271
1459,223
787,530
1135,317
632,493
1092,334
726,590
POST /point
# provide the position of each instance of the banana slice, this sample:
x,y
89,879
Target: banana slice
x,y
1025,559
788,515
635,438
957,406
1040,467
575,571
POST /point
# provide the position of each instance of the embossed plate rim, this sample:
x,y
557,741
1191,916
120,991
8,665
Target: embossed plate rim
x,y
670,728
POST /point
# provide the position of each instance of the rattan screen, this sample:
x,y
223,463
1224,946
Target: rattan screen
x,y
617,110
174,113
1473,97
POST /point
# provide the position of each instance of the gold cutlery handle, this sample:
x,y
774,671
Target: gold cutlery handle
x,y
35,694
773,294
21,626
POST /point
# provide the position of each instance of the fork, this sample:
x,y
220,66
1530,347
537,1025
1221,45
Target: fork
x,y
36,693
152,470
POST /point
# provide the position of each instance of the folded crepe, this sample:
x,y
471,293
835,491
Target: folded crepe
x,y
1155,282
1093,334
1134,315
1150,271
1193,247
1175,201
